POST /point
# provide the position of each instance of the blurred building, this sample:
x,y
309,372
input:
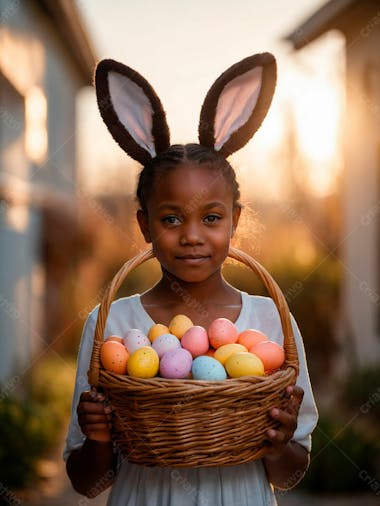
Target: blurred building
x,y
359,21
45,58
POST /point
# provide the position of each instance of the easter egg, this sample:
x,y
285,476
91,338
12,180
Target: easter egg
x,y
114,357
156,330
271,354
244,364
164,343
119,339
143,363
226,350
176,364
195,340
222,331
135,339
210,352
208,369
250,337
179,324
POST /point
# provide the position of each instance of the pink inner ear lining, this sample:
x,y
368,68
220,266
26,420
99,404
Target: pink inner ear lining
x,y
133,109
236,104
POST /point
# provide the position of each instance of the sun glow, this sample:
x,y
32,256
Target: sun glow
x,y
318,116
36,138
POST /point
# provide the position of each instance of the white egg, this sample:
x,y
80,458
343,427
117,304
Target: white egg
x,y
165,342
135,339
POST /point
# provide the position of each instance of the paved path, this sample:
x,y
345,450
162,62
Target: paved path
x,y
296,498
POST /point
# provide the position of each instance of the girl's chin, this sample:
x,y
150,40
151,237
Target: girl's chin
x,y
189,275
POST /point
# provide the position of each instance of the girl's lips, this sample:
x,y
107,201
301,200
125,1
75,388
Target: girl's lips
x,y
193,259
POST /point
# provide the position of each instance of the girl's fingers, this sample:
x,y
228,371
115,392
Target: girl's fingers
x,y
91,408
276,437
96,427
295,393
92,396
86,397
286,419
87,418
295,396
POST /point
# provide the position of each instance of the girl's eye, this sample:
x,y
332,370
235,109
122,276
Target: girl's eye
x,y
211,218
171,220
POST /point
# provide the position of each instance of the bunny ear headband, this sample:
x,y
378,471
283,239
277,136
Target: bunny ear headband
x,y
234,107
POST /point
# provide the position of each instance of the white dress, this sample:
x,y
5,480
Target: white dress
x,y
240,485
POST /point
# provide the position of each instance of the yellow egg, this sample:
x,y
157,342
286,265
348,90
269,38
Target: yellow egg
x,y
179,324
157,330
244,364
143,363
227,350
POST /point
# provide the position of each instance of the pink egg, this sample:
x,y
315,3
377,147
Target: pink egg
x,y
222,331
195,340
165,342
135,339
176,364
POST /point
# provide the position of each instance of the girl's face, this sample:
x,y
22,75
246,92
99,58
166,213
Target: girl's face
x,y
190,220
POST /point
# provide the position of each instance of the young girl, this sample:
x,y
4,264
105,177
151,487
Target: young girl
x,y
188,210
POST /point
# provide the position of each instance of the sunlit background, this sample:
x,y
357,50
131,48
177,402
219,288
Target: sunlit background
x,y
311,207
181,48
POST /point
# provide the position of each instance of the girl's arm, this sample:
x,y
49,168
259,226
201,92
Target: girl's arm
x,y
92,468
287,469
287,461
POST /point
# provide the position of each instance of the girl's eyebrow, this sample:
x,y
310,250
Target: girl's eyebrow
x,y
217,203
177,208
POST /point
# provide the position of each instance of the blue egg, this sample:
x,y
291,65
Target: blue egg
x,y
208,369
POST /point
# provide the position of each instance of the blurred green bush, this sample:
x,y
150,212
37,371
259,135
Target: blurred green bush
x,y
32,420
343,458
361,391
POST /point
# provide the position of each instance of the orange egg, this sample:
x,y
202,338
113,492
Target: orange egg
x,y
271,354
222,331
157,330
179,324
114,357
250,337
119,339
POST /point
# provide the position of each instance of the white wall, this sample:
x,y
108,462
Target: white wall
x,y
31,54
361,190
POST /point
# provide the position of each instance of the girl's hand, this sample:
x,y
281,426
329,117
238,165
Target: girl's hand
x,y
280,437
94,417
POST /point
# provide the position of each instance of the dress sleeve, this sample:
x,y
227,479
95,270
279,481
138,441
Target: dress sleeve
x,y
308,414
75,437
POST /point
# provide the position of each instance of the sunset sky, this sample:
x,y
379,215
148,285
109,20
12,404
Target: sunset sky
x,y
182,47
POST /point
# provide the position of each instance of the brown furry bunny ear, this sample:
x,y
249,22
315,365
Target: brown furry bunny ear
x,y
131,110
237,103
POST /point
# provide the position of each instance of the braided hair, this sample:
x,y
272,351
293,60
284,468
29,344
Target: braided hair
x,y
178,154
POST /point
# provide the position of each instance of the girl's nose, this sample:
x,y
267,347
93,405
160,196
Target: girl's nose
x,y
191,235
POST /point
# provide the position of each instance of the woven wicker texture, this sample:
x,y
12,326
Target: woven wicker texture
x,y
190,423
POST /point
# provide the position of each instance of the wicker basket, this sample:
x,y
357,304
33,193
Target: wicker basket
x,y
190,423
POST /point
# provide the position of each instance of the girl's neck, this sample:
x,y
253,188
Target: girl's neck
x,y
202,301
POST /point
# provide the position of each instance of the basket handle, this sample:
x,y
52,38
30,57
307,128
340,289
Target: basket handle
x,y
291,357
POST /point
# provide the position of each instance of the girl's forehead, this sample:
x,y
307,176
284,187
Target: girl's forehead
x,y
190,180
